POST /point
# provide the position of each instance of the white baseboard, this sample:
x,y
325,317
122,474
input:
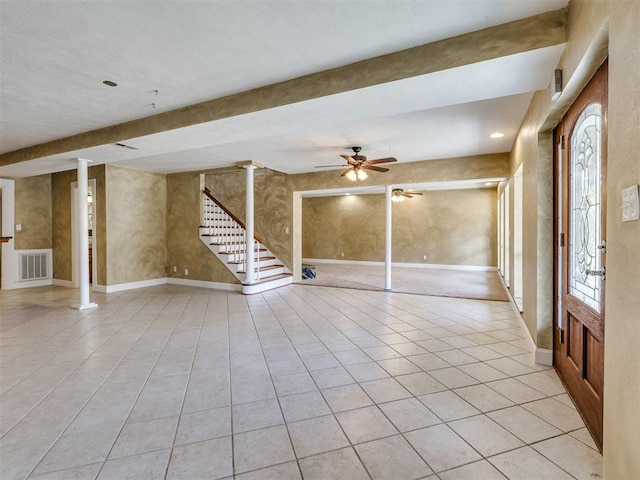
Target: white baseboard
x,y
229,287
544,356
119,287
32,283
399,264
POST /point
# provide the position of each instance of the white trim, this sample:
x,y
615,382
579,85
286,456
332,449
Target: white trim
x,y
523,327
230,287
84,306
398,264
119,287
9,256
253,288
422,186
544,356
33,283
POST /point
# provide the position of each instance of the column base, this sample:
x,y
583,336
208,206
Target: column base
x,y
387,289
84,306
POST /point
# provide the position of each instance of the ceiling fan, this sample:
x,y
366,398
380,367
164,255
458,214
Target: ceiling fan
x,y
398,194
358,164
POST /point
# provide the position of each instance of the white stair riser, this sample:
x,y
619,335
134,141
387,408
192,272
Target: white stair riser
x,y
224,233
265,263
264,286
271,272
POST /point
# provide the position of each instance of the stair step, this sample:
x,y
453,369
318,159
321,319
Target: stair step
x,y
222,226
233,252
262,259
270,279
269,283
264,269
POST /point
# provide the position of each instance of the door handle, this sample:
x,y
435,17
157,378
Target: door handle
x,y
596,273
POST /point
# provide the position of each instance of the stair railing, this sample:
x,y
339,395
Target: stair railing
x,y
227,229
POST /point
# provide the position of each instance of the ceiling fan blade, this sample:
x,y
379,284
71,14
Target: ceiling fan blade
x,y
349,159
411,194
377,169
382,160
330,166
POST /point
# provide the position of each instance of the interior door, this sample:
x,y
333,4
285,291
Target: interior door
x,y
581,151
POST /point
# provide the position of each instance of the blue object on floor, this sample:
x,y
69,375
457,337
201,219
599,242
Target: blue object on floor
x,y
308,271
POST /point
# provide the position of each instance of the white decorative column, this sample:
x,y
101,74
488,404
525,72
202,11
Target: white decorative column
x,y
82,222
387,239
250,275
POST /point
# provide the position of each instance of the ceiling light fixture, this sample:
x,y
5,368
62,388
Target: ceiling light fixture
x,y
397,198
356,174
110,83
497,135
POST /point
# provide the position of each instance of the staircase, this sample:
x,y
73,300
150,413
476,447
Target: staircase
x,y
225,236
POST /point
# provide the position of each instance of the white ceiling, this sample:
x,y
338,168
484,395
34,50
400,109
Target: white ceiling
x,y
55,55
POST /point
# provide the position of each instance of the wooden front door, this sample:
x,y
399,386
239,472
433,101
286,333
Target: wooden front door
x,y
581,154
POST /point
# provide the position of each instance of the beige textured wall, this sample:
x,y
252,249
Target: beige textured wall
x,y
33,212
585,51
622,328
61,222
451,227
351,224
184,248
593,26
463,168
136,225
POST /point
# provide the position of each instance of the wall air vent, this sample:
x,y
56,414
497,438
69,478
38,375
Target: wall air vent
x,y
34,265
124,145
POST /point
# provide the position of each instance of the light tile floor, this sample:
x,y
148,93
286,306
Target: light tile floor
x,y
301,382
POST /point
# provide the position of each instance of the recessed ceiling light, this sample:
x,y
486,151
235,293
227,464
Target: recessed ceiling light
x,y
497,135
489,184
347,194
110,83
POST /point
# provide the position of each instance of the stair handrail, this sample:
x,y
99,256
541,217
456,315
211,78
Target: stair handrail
x,y
208,193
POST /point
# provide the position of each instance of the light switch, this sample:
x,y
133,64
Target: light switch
x,y
18,227
630,204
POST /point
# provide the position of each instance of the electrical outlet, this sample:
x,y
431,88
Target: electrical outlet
x,y
342,254
175,268
186,272
630,204
286,230
424,257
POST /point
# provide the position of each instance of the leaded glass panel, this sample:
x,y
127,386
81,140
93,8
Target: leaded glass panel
x,y
585,206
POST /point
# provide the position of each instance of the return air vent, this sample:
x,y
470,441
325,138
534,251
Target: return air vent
x,y
34,266
124,145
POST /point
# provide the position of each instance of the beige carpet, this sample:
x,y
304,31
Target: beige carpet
x,y
422,281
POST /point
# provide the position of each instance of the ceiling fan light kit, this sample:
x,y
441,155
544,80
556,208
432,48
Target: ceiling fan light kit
x,y
398,195
358,164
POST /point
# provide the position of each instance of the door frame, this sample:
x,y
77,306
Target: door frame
x,y
561,225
